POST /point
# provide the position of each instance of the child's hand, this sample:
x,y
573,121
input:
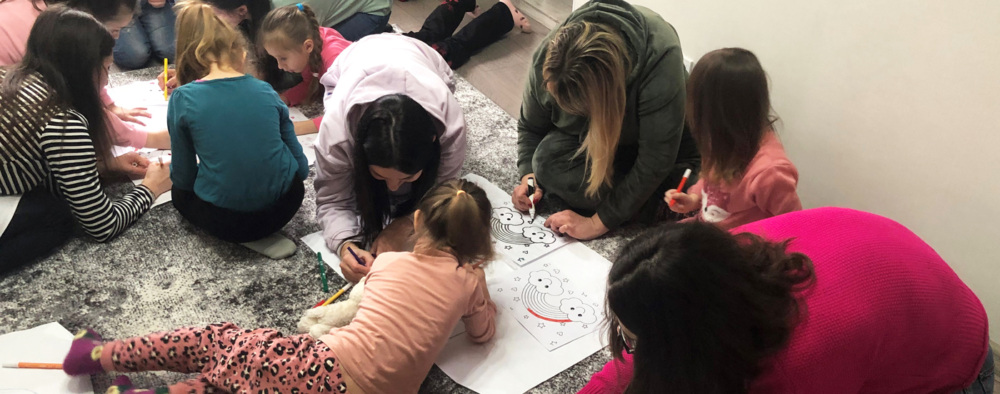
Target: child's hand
x,y
171,81
683,203
131,114
131,164
353,271
158,178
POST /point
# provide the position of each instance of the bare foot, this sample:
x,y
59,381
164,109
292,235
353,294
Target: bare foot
x,y
520,21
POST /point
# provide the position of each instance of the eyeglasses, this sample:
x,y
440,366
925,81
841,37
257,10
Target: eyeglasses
x,y
629,343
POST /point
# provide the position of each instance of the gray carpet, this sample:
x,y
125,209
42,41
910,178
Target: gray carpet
x,y
163,273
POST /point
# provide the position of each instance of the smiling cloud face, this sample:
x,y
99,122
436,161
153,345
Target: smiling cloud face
x,y
545,282
577,311
508,216
538,235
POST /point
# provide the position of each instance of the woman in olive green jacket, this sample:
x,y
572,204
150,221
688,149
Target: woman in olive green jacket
x,y
602,122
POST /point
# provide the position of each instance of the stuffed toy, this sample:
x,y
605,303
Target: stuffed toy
x,y
318,321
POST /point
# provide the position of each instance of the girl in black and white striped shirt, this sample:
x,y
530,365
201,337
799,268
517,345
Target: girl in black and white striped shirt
x,y
53,135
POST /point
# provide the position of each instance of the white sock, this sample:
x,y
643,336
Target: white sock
x,y
274,246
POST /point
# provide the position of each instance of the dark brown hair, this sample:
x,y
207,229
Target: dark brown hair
x,y
455,216
394,132
66,48
705,306
289,27
728,110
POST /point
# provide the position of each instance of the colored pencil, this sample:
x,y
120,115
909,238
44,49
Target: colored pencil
x,y
165,80
33,365
360,261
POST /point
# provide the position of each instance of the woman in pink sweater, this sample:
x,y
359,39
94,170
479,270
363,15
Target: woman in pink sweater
x,y
411,304
826,300
745,174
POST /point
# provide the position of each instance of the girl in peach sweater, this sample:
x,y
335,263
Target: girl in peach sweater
x,y
412,302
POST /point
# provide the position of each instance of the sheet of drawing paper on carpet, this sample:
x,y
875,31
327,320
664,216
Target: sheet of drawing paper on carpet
x,y
515,360
47,343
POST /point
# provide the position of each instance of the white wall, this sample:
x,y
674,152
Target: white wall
x,y
891,107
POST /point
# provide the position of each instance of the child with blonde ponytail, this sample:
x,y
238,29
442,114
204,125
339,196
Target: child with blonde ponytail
x,y
411,304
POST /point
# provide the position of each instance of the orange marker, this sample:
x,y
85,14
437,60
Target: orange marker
x,y
33,365
680,187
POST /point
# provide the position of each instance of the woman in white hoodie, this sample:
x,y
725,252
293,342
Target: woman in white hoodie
x,y
392,130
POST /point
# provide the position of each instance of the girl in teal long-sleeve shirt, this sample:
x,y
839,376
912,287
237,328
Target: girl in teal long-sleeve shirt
x,y
237,167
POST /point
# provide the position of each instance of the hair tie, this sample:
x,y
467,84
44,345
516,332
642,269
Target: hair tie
x,y
300,7
459,192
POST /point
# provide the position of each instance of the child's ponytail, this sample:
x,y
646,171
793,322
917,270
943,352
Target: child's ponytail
x,y
455,216
289,27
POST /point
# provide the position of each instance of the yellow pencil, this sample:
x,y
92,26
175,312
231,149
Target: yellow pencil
x,y
339,293
165,80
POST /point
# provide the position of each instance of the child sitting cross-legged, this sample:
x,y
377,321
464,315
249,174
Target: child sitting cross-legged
x,y
411,304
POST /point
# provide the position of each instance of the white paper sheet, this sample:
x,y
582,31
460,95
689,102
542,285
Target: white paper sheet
x,y
296,115
47,343
547,304
143,94
315,242
519,238
514,361
308,143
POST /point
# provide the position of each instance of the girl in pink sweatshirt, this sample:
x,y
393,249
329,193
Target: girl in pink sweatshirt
x,y
745,174
412,302
292,36
821,301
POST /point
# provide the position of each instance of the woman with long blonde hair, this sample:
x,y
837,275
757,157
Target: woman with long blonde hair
x,y
602,123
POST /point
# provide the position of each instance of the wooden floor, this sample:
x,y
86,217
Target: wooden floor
x,y
499,71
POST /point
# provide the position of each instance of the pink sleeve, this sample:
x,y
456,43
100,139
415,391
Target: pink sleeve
x,y
124,134
774,190
480,320
696,188
613,378
106,98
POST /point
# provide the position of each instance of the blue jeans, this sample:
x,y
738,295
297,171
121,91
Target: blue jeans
x,y
148,39
360,25
984,383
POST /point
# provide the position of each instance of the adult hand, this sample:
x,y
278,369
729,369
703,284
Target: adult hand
x,y
131,164
171,81
131,114
349,266
396,237
570,223
158,178
683,202
157,3
520,196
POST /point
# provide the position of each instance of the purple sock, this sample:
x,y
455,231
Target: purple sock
x,y
84,356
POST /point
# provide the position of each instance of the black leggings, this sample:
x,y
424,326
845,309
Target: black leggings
x,y
486,29
41,224
236,226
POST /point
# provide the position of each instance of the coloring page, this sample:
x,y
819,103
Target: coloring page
x,y
519,238
546,304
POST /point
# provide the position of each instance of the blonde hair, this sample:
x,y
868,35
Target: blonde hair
x,y
586,65
290,26
203,39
